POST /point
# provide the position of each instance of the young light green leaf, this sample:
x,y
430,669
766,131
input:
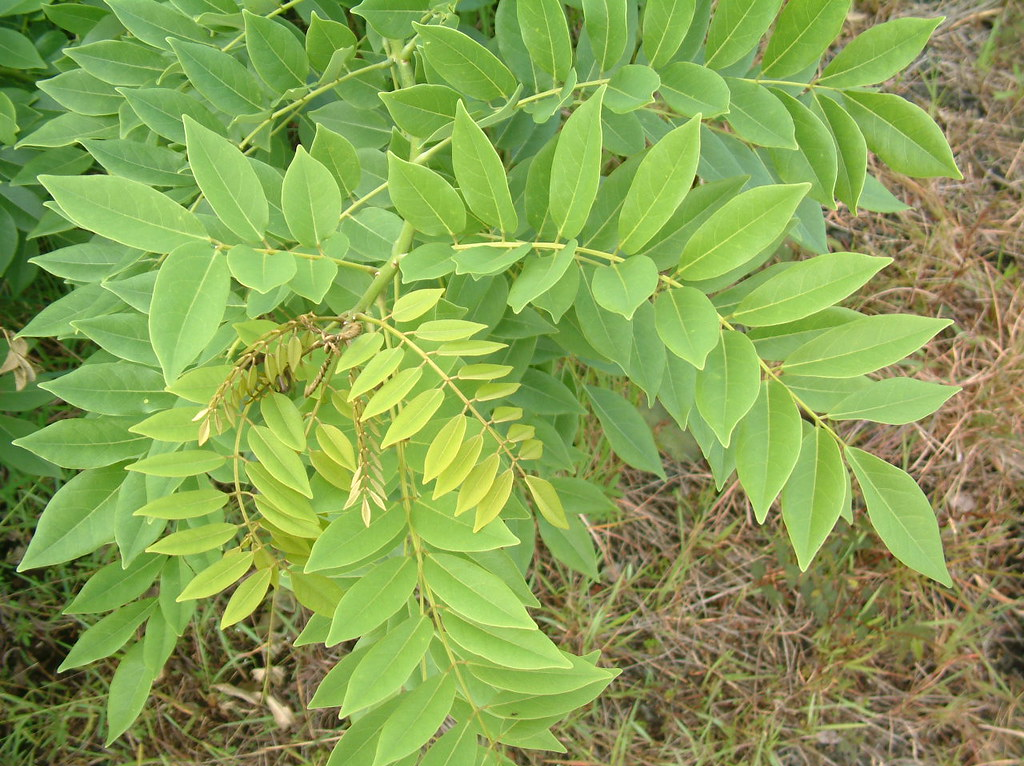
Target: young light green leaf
x,y
480,173
415,416
414,304
606,24
813,496
664,26
806,287
629,435
900,514
125,211
78,519
336,153
467,65
195,539
275,52
878,53
477,483
864,345
424,198
544,28
328,43
623,286
693,89
218,576
576,165
894,401
546,498
247,597
416,720
767,445
902,134
438,526
728,384
311,201
739,230
736,29
444,447
228,181
442,330
116,584
189,299
803,32
664,177
758,117
129,691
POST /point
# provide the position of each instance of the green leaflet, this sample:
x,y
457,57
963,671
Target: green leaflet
x,y
112,388
864,345
544,28
416,719
153,165
803,32
105,637
813,496
540,274
414,416
188,304
424,198
664,26
218,576
693,89
767,445
77,520
188,542
526,649
261,271
894,400
900,514
373,599
629,435
480,174
185,505
130,689
851,149
422,109
739,230
125,211
902,134
465,64
223,81
660,184
347,541
758,117
336,153
276,53
463,585
728,384
814,161
247,596
688,324
606,24
576,166
115,585
392,18
154,25
228,181
85,442
878,53
279,459
311,200
387,664
807,287
736,29
623,286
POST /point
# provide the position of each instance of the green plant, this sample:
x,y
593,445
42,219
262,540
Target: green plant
x,y
399,257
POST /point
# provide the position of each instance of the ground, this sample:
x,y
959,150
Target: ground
x,y
729,654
